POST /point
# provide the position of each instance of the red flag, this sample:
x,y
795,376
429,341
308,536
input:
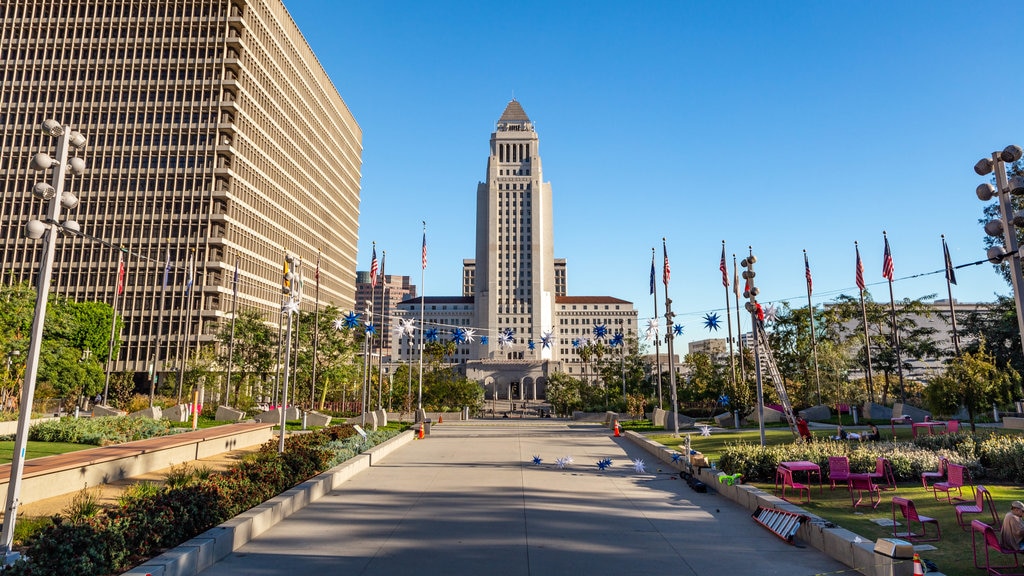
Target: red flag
x,y
120,272
373,267
667,271
860,269
721,266
887,267
424,258
807,274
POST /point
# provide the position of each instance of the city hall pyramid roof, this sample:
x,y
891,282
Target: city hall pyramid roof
x,y
514,113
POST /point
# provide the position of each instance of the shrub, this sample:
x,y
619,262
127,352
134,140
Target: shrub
x,y
99,431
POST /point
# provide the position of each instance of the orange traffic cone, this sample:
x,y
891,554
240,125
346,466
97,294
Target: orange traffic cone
x,y
617,429
421,431
918,567
440,419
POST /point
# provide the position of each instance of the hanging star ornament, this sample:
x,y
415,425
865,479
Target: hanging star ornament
x,y
723,399
470,334
617,340
290,307
546,339
711,321
351,320
505,339
483,340
677,330
458,335
600,331
536,459
575,342
431,335
408,326
531,344
397,330
371,329
639,466
771,314
651,331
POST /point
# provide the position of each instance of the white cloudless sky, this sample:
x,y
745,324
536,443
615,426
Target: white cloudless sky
x,y
778,125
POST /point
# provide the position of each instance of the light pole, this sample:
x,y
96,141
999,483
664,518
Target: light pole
x,y
750,292
54,193
291,306
1007,225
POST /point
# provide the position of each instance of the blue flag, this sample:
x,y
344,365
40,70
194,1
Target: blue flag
x,y
652,272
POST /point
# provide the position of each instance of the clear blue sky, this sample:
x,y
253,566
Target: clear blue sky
x,y
783,126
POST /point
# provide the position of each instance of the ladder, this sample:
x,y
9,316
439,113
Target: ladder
x,y
773,371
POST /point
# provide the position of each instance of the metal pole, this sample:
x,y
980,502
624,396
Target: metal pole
x,y
423,304
284,389
864,320
1010,237
380,327
728,318
814,341
113,328
35,343
657,340
949,292
316,335
231,341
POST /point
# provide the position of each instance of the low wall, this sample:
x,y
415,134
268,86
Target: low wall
x,y
10,427
211,546
1013,422
840,544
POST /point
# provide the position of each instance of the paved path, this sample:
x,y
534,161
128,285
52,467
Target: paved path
x,y
467,500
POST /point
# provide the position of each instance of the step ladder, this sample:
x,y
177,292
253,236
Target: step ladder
x,y
773,371
781,523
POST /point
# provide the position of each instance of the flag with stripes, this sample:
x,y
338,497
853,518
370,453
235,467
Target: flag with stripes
x,y
120,272
423,262
887,267
950,274
667,271
807,274
189,273
721,266
735,277
860,270
373,267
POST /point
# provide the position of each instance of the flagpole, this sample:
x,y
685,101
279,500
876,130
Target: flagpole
x,y
160,326
667,274
892,314
189,282
864,320
280,326
423,303
297,299
113,323
316,333
739,326
728,315
231,341
380,337
810,311
657,339
951,279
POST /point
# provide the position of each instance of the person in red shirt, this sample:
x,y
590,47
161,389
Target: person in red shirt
x,y
803,429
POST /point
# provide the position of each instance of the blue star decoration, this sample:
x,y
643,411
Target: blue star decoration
x,y
371,329
483,340
603,464
431,334
711,321
459,335
351,320
532,345
600,331
575,342
676,456
536,460
617,339
677,330
723,399
546,339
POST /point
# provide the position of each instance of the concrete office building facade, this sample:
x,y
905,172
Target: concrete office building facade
x,y
215,138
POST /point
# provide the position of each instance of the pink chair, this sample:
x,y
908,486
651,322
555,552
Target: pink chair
x,y
883,476
982,495
838,470
957,477
787,481
909,512
862,483
952,426
989,541
939,474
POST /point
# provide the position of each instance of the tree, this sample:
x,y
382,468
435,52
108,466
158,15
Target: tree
x,y
563,393
254,351
997,327
974,381
991,212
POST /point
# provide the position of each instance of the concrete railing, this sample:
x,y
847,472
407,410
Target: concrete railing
x,y
10,427
840,544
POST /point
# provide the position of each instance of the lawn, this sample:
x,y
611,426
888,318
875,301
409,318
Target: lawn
x,y
39,449
953,552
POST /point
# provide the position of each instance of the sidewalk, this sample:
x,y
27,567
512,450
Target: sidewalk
x,y
468,500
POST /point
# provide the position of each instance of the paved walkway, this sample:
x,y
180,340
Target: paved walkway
x,y
467,500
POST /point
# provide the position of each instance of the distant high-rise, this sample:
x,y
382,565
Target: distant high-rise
x,y
214,137
515,285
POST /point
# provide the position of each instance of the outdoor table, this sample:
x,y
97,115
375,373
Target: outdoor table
x,y
930,426
901,420
801,466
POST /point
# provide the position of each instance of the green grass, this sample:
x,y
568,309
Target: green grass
x,y
39,449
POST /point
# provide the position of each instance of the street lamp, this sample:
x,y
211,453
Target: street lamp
x,y
291,289
46,231
1009,221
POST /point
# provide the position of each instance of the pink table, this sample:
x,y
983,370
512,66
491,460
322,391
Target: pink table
x,y
802,466
930,426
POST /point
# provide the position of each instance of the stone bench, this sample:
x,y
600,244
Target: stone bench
x,y
1013,422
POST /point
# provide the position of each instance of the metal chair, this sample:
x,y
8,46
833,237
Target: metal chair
x,y
838,470
989,541
787,481
883,472
937,475
909,512
982,495
862,483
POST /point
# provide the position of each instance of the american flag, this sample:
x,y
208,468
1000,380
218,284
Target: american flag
x,y
120,272
807,274
424,255
373,267
887,267
167,269
667,275
721,266
860,269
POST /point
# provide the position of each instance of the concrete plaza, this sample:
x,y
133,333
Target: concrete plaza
x,y
469,500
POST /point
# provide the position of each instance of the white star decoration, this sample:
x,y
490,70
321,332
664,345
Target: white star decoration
x,y
651,331
705,430
639,466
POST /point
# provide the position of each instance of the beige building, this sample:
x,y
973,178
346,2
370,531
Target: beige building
x,y
214,137
382,300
